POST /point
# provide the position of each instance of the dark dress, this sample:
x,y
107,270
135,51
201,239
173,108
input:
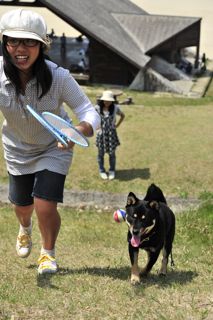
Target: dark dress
x,y
107,138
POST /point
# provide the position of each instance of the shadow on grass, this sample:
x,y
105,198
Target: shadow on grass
x,y
130,174
173,277
44,281
122,273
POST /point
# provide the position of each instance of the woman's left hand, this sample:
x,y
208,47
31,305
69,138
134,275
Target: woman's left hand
x,y
83,127
70,145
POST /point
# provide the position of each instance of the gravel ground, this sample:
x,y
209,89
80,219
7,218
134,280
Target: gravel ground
x,y
109,201
102,201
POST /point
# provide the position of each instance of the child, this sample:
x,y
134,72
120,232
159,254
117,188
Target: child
x,y
107,139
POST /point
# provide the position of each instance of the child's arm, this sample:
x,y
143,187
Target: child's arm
x,y
122,116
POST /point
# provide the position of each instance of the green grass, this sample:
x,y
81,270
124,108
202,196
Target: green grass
x,y
152,99
171,146
94,275
164,139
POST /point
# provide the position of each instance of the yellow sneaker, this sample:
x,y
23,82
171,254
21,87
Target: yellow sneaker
x,y
46,264
23,245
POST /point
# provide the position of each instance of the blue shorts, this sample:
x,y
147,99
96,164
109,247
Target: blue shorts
x,y
44,184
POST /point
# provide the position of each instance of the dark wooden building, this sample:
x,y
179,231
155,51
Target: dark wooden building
x,y
123,38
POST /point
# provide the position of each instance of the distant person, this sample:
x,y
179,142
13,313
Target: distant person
x,y
82,62
52,34
107,139
63,44
203,62
204,58
79,38
81,53
81,65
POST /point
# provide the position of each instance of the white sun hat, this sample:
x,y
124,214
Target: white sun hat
x,y
107,96
24,24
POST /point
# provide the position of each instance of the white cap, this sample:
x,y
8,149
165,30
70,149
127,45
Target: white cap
x,y
107,96
24,24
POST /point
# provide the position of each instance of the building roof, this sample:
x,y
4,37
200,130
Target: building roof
x,y
120,25
149,31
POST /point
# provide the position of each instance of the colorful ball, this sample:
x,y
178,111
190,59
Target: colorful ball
x,y
119,215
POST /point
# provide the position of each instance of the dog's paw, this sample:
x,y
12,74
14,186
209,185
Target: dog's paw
x,y
135,279
163,271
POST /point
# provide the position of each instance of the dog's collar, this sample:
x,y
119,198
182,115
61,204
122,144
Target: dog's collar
x,y
146,232
148,229
147,238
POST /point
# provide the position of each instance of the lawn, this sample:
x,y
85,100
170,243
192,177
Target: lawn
x,y
93,281
166,140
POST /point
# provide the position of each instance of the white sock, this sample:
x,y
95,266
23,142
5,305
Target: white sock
x,y
49,252
27,230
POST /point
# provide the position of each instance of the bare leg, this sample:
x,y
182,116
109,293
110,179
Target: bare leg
x,y
24,214
24,242
49,222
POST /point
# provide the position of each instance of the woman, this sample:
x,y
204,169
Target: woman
x,y
107,139
37,165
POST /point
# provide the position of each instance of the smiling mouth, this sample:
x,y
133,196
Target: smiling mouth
x,y
21,58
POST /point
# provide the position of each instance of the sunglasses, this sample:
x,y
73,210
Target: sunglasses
x,y
15,42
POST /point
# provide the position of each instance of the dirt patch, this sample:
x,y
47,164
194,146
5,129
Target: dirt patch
x,y
102,201
109,201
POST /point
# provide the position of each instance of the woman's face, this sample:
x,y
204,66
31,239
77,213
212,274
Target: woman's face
x,y
23,52
107,104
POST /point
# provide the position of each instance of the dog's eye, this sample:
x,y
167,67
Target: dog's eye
x,y
143,217
135,215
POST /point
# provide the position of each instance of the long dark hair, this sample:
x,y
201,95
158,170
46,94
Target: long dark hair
x,y
111,107
40,71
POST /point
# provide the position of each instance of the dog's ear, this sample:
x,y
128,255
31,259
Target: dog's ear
x,y
131,199
154,205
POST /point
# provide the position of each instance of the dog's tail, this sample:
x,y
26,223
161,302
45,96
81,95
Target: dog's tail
x,y
154,193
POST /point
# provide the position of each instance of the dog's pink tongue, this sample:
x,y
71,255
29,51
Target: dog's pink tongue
x,y
135,241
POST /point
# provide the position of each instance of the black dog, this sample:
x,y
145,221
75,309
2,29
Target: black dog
x,y
152,228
